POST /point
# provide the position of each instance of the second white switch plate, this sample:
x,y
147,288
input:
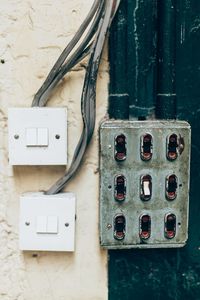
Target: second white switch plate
x,y
47,222
37,136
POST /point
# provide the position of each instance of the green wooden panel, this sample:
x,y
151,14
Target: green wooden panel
x,y
132,60
165,273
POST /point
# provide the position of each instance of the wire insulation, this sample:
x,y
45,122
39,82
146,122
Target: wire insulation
x,y
99,18
81,52
66,52
88,100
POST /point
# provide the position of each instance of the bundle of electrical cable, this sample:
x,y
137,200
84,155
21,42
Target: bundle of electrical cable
x,y
98,20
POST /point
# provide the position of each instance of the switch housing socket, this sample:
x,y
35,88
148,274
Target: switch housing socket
x,y
147,187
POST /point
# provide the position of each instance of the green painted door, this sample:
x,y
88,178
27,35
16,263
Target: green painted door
x,y
155,50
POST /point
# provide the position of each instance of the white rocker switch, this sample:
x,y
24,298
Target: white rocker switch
x,y
52,224
31,137
42,137
41,224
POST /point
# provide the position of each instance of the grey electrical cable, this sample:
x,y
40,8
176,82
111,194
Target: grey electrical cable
x,y
79,151
88,97
82,141
114,12
76,57
115,9
85,140
66,51
63,71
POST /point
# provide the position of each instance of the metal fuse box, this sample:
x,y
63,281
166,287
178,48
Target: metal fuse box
x,y
144,184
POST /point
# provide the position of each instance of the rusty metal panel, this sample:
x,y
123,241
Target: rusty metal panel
x,y
159,167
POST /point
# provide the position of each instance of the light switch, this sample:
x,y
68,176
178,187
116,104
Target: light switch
x,y
41,224
47,222
37,136
154,213
146,188
42,137
31,137
52,224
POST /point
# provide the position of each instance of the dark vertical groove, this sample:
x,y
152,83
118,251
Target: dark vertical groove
x,y
118,93
166,88
141,47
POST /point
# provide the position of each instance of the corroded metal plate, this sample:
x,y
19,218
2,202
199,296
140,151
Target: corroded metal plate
x,y
133,168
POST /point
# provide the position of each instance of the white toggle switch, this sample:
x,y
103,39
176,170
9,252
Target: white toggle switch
x,y
47,224
52,224
146,186
42,137
31,137
41,224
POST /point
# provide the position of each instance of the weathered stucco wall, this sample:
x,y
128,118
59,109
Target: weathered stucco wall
x,y
33,34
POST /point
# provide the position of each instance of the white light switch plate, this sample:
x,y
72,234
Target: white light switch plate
x,y
47,222
37,136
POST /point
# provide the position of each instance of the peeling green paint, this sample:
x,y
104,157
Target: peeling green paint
x,y
165,273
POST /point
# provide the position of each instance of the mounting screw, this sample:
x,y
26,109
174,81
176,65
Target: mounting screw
x,y
57,136
16,136
27,223
109,226
66,224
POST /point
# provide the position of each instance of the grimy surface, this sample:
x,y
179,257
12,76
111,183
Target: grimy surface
x,y
157,273
133,168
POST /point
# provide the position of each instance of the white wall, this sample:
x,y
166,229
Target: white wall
x,y
33,34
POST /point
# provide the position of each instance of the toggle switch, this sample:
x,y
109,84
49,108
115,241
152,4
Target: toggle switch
x,y
120,188
42,137
146,147
120,147
119,227
31,137
172,147
146,188
171,187
52,224
145,227
41,224
170,226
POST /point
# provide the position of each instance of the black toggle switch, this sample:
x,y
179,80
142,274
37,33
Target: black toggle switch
x,y
120,147
145,227
172,147
146,147
119,227
120,188
170,226
171,187
146,187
